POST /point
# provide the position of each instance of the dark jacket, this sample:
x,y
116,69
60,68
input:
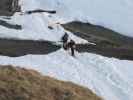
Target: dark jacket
x,y
72,45
64,38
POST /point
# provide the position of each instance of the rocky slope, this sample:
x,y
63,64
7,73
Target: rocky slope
x,y
108,42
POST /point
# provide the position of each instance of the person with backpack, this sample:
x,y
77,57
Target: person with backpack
x,y
64,39
72,46
68,45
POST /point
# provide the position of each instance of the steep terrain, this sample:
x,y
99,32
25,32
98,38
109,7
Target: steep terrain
x,y
47,18
108,42
41,20
108,77
16,48
21,84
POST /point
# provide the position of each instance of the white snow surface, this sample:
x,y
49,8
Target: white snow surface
x,y
114,14
108,77
35,26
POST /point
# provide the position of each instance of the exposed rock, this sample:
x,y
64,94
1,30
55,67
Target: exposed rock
x,y
15,48
98,34
9,25
9,7
108,42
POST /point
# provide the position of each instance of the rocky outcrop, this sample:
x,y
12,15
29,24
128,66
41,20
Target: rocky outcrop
x,y
9,25
15,48
9,7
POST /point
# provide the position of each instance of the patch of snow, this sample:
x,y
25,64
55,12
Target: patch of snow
x,y
116,15
105,76
113,14
35,27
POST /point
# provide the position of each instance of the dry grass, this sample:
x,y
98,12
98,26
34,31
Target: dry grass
x,y
22,84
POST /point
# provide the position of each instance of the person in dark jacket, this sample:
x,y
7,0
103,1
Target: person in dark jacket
x,y
64,39
72,46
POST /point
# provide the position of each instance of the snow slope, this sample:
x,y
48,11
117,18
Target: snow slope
x,y
35,26
110,78
114,14
98,73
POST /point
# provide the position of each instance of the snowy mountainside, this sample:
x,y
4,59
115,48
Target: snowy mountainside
x,y
97,12
108,77
98,73
104,12
35,26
